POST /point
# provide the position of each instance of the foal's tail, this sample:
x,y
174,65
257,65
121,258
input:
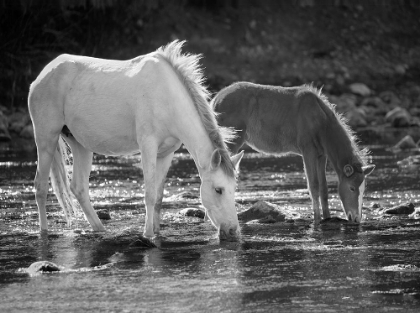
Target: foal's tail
x,y
60,181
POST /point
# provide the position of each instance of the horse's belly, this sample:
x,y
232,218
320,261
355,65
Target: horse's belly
x,y
108,135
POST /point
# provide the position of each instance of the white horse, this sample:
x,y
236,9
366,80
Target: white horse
x,y
150,104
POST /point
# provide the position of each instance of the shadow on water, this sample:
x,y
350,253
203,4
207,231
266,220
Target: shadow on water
x,y
290,266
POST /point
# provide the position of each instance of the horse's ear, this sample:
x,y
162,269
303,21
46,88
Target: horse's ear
x,y
216,158
348,170
368,169
236,159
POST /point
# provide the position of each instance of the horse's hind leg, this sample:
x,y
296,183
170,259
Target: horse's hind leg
x,y
323,187
162,167
82,165
46,145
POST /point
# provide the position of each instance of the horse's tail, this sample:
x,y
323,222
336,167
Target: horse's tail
x,y
60,181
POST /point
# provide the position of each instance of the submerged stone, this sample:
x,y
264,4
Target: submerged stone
x,y
264,212
405,208
193,212
334,220
43,267
103,214
406,143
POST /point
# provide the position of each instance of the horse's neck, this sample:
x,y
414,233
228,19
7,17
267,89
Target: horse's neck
x,y
194,136
339,147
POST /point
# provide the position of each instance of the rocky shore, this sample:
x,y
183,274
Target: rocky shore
x,y
362,106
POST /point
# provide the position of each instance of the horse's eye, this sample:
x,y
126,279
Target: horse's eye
x,y
352,189
218,190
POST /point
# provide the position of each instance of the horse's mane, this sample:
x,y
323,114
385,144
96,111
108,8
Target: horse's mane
x,y
362,154
188,68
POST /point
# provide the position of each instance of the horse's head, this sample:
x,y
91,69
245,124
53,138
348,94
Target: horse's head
x,y
351,187
218,196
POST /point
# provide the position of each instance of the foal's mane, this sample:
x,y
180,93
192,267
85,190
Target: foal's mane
x,y
187,67
362,154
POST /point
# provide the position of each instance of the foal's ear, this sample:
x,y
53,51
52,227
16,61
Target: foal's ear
x,y
236,159
368,169
348,170
216,158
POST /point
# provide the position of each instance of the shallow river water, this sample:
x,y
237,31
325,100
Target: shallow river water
x,y
282,267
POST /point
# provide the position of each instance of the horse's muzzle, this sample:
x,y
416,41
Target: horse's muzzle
x,y
229,234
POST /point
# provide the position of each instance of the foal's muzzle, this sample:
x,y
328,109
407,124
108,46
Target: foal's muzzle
x,y
353,218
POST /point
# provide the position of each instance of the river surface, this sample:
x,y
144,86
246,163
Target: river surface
x,y
282,267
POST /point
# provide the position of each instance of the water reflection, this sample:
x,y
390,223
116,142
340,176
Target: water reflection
x,y
293,266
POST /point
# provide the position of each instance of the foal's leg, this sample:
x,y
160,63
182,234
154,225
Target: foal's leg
x,y
46,145
238,142
82,165
323,188
162,167
310,160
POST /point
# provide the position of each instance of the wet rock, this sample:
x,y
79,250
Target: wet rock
x,y
193,212
406,143
143,242
412,163
43,267
4,126
262,210
103,214
405,208
360,89
398,117
187,195
27,131
334,220
415,214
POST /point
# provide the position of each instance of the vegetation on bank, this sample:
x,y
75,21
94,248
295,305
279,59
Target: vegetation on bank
x,y
330,43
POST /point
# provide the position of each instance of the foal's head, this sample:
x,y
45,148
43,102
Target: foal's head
x,y
351,187
218,195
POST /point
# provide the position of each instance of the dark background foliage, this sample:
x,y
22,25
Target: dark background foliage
x,y
328,42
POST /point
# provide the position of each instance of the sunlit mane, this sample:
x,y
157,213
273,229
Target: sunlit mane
x,y
188,68
361,154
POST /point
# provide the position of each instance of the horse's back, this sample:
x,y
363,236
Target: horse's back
x,y
102,102
276,120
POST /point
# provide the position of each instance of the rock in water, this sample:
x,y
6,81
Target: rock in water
x,y
263,211
103,214
194,212
405,208
334,220
43,267
406,143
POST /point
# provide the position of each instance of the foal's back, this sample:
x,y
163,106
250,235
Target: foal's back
x,y
271,119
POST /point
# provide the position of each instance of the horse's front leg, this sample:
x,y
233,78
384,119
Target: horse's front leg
x,y
149,160
162,167
310,163
323,187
